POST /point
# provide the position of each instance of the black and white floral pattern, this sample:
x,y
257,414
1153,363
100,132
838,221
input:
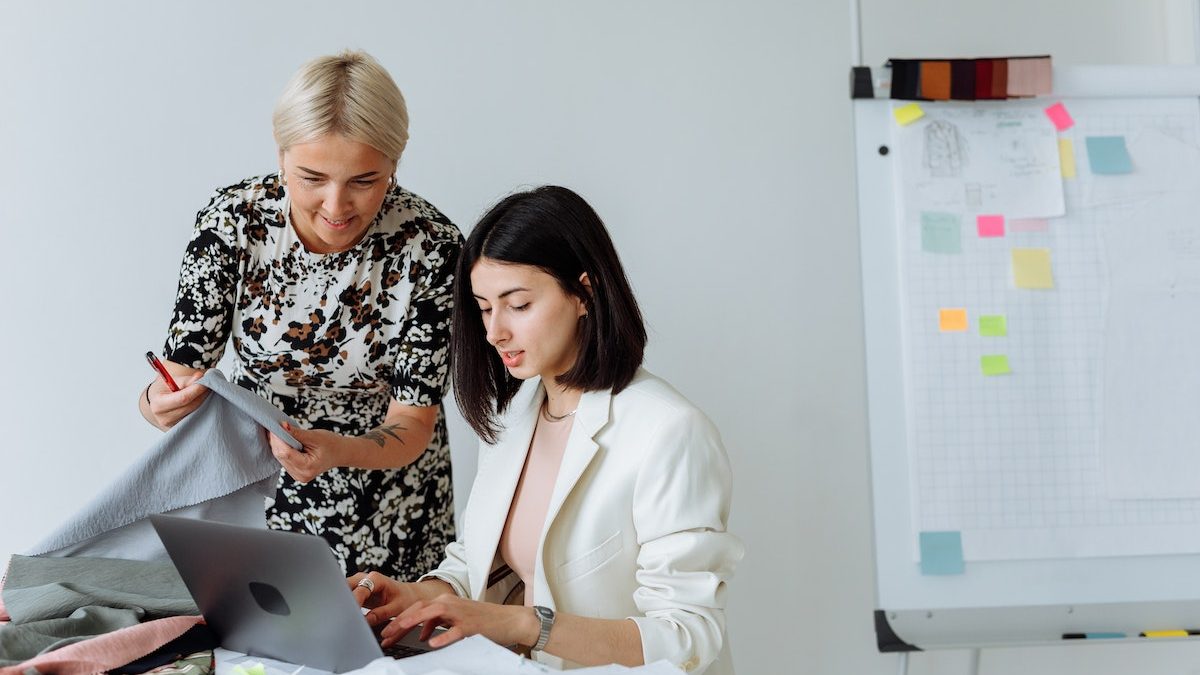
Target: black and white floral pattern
x,y
330,339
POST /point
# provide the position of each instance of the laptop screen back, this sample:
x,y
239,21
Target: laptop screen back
x,y
274,594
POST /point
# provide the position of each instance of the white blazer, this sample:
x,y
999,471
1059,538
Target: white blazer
x,y
636,525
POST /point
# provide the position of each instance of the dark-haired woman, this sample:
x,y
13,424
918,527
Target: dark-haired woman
x,y
602,496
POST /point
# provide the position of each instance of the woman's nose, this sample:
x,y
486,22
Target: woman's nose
x,y
337,202
496,332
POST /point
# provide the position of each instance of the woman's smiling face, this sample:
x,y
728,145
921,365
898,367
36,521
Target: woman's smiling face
x,y
336,186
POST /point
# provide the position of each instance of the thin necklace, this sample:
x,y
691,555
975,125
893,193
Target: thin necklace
x,y
551,417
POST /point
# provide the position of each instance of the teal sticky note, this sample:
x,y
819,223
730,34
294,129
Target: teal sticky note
x,y
941,553
941,232
1108,156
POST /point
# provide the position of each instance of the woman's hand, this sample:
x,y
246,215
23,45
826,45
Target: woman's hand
x,y
322,451
502,624
166,408
386,597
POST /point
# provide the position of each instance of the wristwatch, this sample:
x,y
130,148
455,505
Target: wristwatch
x,y
546,616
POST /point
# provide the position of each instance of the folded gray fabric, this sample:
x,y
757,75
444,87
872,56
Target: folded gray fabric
x,y
215,464
54,602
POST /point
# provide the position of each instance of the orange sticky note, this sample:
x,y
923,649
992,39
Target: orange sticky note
x,y
907,114
1066,157
1031,268
952,320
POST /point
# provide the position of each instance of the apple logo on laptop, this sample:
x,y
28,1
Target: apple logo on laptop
x,y
269,598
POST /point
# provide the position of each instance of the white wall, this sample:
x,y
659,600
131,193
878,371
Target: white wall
x,y
713,137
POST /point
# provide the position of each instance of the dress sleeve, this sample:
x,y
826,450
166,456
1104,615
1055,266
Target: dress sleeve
x,y
686,556
208,281
422,374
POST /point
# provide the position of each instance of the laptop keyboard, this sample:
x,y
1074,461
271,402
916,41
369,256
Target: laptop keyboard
x,y
399,651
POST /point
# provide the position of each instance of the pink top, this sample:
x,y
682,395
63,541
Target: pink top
x,y
527,515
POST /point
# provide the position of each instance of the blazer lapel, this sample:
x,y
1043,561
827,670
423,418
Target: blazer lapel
x,y
496,494
591,416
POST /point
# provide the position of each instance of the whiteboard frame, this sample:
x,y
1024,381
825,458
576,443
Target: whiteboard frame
x,y
995,602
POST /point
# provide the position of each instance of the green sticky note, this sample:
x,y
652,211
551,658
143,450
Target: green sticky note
x,y
994,364
941,232
993,325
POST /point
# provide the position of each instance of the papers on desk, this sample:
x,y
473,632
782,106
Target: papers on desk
x,y
475,655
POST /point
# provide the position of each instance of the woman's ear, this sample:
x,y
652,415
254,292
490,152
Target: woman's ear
x,y
587,285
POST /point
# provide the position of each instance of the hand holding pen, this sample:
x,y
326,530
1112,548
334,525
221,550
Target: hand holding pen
x,y
166,402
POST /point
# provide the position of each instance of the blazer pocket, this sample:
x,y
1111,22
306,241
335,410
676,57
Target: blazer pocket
x,y
573,569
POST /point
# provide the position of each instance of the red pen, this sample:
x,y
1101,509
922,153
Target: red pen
x,y
158,366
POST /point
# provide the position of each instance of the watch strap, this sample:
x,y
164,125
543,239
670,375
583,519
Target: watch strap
x,y
546,616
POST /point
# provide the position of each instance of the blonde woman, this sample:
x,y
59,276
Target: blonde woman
x,y
333,283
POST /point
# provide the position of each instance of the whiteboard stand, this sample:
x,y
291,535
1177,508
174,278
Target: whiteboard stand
x,y
1000,602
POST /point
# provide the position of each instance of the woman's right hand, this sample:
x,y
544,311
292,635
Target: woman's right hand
x,y
387,597
166,407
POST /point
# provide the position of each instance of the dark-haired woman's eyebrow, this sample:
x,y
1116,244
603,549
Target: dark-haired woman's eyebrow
x,y
504,294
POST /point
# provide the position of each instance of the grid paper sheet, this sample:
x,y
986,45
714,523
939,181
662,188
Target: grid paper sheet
x,y
1037,463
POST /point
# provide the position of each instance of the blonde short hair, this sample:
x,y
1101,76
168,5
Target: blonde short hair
x,y
350,94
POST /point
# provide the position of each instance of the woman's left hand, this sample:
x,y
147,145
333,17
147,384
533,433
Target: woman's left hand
x,y
320,452
503,624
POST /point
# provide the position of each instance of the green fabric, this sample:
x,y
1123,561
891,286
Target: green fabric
x,y
55,602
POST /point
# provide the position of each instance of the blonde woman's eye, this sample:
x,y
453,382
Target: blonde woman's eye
x,y
364,183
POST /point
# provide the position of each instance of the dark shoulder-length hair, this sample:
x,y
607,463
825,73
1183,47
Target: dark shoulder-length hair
x,y
556,231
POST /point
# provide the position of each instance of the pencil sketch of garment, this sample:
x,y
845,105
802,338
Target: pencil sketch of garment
x,y
945,150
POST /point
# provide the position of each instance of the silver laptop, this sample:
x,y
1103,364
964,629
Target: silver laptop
x,y
279,595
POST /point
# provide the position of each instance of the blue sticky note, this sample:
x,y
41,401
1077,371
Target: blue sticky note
x,y
1107,155
941,232
941,553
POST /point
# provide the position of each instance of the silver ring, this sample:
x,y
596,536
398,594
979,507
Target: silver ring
x,y
367,584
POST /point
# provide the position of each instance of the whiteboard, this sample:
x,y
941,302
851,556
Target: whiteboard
x,y
1096,544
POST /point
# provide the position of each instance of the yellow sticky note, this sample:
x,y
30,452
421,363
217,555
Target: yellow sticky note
x,y
952,320
994,364
907,114
1066,157
1031,268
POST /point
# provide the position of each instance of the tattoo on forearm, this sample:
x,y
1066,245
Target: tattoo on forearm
x,y
380,435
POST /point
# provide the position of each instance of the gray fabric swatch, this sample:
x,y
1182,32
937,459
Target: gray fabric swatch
x,y
215,464
55,602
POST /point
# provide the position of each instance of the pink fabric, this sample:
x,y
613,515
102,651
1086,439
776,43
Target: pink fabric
x,y
527,515
108,651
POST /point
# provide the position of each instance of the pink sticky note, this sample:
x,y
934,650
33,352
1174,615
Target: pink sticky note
x,y
990,226
1029,225
1059,115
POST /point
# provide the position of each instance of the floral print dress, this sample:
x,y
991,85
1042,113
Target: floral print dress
x,y
330,339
